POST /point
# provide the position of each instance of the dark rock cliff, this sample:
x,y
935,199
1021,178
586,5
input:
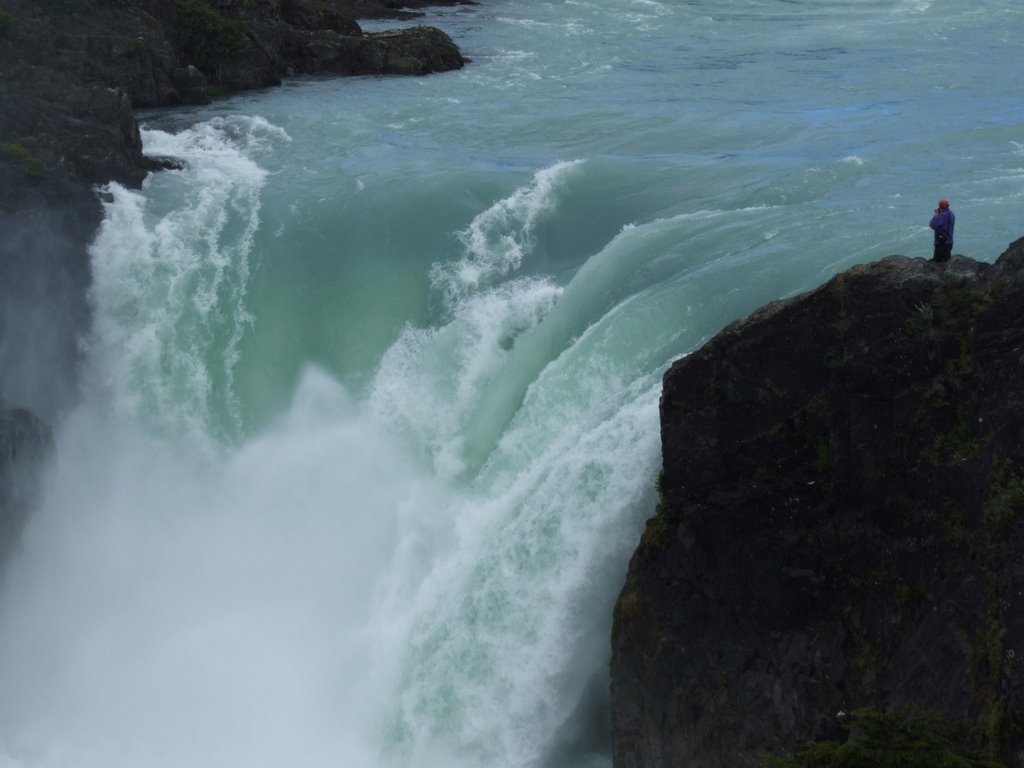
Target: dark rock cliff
x,y
841,524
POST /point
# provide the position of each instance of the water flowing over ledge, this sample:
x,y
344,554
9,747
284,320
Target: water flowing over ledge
x,y
368,430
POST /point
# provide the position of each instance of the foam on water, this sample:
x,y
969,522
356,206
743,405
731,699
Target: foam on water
x,y
430,381
513,669
169,284
497,240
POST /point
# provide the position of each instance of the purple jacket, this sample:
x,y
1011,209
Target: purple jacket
x,y
943,223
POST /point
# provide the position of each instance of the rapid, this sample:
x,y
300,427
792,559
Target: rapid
x,y
368,428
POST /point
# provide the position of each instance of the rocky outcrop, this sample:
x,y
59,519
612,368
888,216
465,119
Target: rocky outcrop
x,y
841,522
413,51
25,443
72,71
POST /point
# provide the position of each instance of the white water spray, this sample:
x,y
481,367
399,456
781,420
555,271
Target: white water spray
x,y
313,595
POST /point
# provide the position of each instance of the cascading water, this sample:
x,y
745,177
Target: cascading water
x,y
368,428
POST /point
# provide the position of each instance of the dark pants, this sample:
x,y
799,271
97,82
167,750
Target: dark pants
x,y
942,252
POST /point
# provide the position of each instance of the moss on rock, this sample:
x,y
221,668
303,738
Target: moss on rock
x,y
901,739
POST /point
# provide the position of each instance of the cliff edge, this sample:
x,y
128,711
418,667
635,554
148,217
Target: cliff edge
x,y
841,522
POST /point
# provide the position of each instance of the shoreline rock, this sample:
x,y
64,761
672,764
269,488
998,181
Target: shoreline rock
x,y
72,72
842,511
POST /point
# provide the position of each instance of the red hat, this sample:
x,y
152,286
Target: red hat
x,y
943,203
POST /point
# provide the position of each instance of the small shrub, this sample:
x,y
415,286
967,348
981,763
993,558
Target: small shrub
x,y
656,532
1005,503
823,457
628,610
134,45
206,36
214,92
6,25
902,739
25,161
921,325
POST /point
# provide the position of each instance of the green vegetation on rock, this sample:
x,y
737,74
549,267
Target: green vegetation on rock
x,y
216,92
207,36
30,165
1005,503
6,25
902,739
133,45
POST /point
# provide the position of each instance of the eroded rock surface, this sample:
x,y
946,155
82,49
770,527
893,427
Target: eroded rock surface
x,y
841,522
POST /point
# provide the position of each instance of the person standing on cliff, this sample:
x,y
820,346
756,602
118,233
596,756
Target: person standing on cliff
x,y
943,222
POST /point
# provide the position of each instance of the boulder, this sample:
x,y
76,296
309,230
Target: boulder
x,y
413,51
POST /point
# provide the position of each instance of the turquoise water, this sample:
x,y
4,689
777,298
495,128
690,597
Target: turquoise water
x,y
369,418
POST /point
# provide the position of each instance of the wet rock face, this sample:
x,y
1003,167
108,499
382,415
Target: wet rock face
x,y
841,514
25,444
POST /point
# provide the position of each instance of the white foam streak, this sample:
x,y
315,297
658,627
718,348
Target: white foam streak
x,y
169,286
506,629
431,380
496,674
637,257
497,240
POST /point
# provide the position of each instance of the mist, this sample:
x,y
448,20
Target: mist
x,y
44,313
170,609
